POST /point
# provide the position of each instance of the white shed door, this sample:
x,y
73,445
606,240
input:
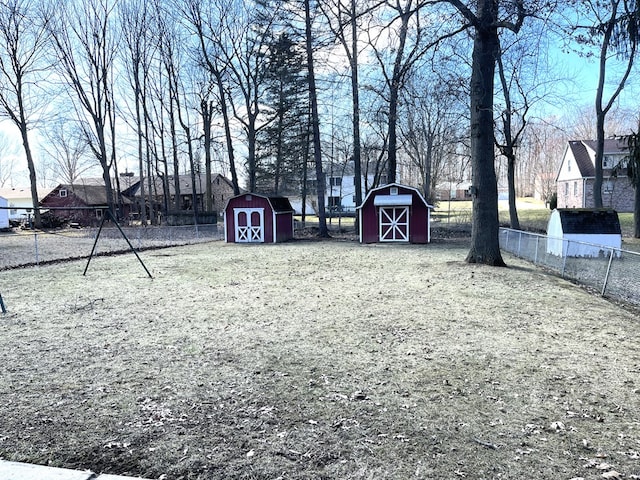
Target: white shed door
x,y
394,224
249,224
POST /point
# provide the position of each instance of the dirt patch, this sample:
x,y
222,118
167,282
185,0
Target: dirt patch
x,y
313,360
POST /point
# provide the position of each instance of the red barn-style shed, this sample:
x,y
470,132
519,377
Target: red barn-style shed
x,y
254,218
395,213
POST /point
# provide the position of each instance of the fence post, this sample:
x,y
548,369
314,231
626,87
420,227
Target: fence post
x,y
535,257
606,277
35,239
564,256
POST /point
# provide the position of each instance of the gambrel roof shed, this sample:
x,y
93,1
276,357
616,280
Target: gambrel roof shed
x,y
255,218
395,213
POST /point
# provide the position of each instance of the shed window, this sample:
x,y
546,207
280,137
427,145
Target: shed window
x,y
63,192
393,191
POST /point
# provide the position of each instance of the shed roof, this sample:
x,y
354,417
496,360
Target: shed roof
x,y
589,221
374,193
278,204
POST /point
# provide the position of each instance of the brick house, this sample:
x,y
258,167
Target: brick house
x,y
576,176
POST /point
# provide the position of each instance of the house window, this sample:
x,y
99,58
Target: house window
x,y
568,165
575,189
334,202
63,192
353,199
566,189
608,161
335,181
98,214
608,187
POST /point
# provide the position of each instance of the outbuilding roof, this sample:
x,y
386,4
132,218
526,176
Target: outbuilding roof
x,y
589,221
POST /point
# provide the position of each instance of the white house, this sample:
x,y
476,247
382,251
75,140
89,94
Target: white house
x,y
4,213
583,232
20,202
576,176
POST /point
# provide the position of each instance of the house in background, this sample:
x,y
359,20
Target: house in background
x,y
20,202
4,213
453,191
576,176
83,204
221,191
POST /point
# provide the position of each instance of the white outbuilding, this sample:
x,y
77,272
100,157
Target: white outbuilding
x,y
583,232
4,213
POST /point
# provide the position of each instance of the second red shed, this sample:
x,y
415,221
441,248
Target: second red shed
x,y
254,218
395,213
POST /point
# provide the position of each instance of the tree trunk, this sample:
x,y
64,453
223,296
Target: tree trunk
x,y
394,93
315,124
485,245
355,92
514,222
597,184
227,131
37,221
636,212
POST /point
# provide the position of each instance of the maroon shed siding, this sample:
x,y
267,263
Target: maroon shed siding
x,y
277,217
418,214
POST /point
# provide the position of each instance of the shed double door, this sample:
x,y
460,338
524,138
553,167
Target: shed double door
x,y
249,224
394,224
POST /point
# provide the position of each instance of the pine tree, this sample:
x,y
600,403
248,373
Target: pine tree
x,y
281,148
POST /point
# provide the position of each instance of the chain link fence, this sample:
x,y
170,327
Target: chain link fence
x,y
613,272
21,248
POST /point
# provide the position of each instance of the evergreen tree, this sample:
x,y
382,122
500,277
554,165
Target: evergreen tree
x,y
281,146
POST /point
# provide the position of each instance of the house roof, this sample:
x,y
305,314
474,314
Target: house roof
x,y
589,221
21,193
185,182
582,158
584,153
91,195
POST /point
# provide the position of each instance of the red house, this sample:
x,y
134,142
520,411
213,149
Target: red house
x,y
84,204
254,218
395,213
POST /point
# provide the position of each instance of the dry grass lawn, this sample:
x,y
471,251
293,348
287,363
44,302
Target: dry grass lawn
x,y
317,360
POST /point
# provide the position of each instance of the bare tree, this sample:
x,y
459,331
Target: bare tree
x,y
67,146
315,119
486,18
343,18
138,47
23,36
210,28
613,32
430,125
8,152
85,42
